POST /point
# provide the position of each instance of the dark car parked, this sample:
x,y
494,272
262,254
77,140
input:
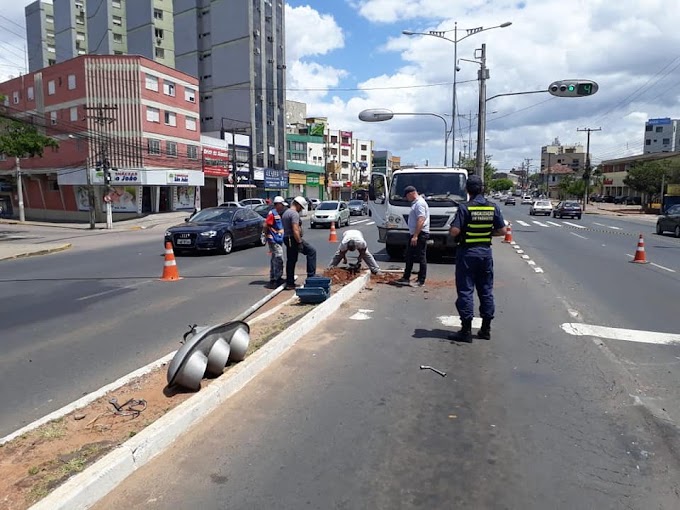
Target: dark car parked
x,y
608,199
510,200
568,208
218,228
357,207
670,221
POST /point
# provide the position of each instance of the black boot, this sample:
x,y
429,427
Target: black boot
x,y
485,331
465,333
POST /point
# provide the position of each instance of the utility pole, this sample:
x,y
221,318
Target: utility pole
x,y
586,172
20,190
101,118
481,124
526,176
234,164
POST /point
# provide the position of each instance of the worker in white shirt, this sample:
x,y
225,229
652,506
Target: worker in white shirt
x,y
353,240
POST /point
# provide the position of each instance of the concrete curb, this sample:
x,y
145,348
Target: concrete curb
x,y
88,487
45,251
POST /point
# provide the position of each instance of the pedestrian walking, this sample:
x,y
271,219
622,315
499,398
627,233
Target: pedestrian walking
x,y
353,240
419,232
273,229
295,244
476,222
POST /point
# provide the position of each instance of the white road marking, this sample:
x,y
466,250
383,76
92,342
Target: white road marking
x,y
111,291
540,224
357,222
615,228
554,224
628,335
531,262
452,321
523,223
538,270
662,267
525,257
577,235
607,226
361,315
520,251
573,224
371,223
516,247
573,313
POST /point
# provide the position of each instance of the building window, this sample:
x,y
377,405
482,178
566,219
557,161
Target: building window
x,y
116,4
71,81
158,32
118,38
151,83
157,14
190,95
53,118
74,113
154,146
659,129
115,52
649,127
50,88
50,48
51,61
15,97
334,139
29,93
80,20
117,20
192,152
153,114
170,119
364,147
52,184
345,152
159,52
168,88
666,141
171,149
191,123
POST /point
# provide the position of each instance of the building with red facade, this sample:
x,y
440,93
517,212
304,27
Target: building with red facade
x,y
135,115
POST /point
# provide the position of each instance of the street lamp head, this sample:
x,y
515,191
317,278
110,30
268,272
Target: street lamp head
x,y
408,32
506,24
375,115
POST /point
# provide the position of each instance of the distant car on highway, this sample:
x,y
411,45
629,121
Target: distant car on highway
x,y
568,208
526,199
541,207
357,207
218,228
510,200
670,221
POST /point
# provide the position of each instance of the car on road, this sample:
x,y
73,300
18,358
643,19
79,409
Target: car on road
x,y
313,202
568,208
670,221
541,207
218,228
526,199
330,211
263,209
231,204
510,200
252,202
357,207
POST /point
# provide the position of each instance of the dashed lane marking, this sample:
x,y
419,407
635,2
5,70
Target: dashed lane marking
x,y
541,224
655,265
358,222
606,226
627,335
371,223
362,315
523,223
575,234
574,225
553,224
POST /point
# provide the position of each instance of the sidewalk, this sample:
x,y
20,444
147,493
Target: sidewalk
x,y
141,223
15,251
632,211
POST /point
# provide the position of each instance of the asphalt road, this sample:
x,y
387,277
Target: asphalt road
x,y
536,418
77,320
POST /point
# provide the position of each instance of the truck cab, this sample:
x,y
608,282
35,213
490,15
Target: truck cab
x,y
441,187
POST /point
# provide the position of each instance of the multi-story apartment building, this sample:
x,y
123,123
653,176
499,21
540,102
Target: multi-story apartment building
x,y
70,30
40,35
573,156
661,135
236,49
151,30
151,139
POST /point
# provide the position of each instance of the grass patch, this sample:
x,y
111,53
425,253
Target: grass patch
x,y
53,430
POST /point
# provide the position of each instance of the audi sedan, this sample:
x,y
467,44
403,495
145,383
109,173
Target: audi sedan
x,y
218,228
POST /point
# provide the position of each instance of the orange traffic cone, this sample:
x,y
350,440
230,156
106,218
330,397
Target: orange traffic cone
x,y
333,236
640,257
170,272
508,234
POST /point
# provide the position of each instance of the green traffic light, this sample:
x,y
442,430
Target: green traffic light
x,y
571,88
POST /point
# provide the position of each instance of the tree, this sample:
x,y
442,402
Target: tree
x,y
569,187
500,184
647,177
20,139
470,165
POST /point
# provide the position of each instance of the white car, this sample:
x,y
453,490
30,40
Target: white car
x,y
526,199
330,211
541,207
250,203
313,202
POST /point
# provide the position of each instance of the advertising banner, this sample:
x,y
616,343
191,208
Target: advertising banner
x,y
316,129
178,177
216,162
185,197
82,198
123,198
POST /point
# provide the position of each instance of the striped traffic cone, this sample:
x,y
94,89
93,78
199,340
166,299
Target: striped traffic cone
x,y
508,234
640,256
333,236
170,271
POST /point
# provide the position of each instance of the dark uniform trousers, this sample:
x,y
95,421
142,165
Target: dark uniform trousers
x,y
474,270
293,250
417,253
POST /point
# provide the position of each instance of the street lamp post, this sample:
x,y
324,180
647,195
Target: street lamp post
x,y
442,35
382,114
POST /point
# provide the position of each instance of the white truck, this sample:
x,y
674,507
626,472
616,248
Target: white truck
x,y
443,188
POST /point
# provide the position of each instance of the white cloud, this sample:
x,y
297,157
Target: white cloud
x,y
309,33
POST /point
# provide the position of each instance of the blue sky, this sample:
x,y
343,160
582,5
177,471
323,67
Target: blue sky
x,y
631,48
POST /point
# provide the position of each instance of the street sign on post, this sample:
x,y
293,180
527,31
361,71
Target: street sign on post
x,y
573,88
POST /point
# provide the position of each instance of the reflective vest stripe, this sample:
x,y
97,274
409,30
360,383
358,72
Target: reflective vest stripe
x,y
478,229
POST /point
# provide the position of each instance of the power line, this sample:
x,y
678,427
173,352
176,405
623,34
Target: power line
x,y
13,22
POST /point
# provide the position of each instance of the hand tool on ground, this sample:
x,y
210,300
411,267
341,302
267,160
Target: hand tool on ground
x,y
428,367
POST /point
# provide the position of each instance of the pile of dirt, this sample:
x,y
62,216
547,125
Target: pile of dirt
x,y
34,464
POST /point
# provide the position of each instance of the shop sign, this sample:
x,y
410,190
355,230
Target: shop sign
x,y
125,176
607,182
276,179
312,180
216,162
178,178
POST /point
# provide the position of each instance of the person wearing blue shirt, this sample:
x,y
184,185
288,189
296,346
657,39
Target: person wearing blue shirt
x,y
476,222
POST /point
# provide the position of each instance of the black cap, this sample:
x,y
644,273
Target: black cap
x,y
409,189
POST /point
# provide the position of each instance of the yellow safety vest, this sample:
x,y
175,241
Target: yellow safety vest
x,y
480,225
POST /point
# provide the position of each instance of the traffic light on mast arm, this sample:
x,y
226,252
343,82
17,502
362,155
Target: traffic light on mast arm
x,y
573,88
